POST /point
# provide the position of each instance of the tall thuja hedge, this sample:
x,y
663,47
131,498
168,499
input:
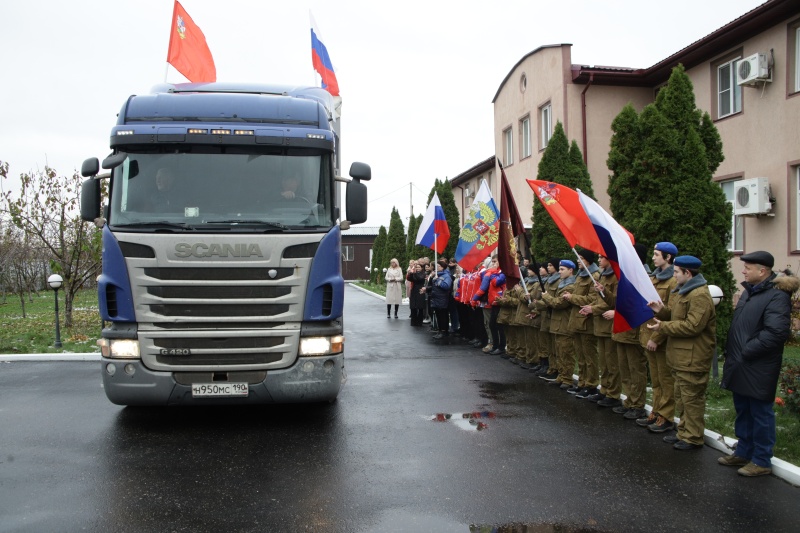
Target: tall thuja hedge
x,y
661,185
378,248
561,163
418,251
413,226
451,213
395,241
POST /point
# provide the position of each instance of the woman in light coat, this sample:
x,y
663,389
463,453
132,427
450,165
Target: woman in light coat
x,y
394,287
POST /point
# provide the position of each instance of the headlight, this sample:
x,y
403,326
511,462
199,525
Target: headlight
x,y
119,348
321,345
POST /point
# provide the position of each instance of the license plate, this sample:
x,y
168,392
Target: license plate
x,y
216,390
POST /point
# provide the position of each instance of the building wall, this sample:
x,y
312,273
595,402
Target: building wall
x,y
362,245
762,140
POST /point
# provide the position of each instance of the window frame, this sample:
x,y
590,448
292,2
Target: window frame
x,y
737,221
525,149
545,125
735,89
508,147
348,257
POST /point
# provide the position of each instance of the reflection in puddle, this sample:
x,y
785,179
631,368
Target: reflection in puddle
x,y
533,528
467,421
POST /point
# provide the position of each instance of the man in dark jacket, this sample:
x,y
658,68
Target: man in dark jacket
x,y
754,353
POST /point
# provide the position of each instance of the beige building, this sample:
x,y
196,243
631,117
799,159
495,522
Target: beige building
x,y
746,75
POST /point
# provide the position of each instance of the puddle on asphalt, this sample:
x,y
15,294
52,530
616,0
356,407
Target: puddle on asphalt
x,y
533,528
474,421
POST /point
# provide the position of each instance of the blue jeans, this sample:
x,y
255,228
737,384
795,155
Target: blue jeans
x,y
755,428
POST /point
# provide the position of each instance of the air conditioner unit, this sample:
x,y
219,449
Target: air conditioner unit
x,y
753,69
751,197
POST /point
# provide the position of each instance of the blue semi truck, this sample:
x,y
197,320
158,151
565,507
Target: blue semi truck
x,y
221,231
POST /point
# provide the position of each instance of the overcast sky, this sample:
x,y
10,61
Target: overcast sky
x,y
417,78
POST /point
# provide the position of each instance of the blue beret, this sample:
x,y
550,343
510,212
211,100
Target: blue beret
x,y
567,263
668,248
688,261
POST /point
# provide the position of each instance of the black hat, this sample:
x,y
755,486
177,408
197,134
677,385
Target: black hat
x,y
759,258
553,261
589,255
641,251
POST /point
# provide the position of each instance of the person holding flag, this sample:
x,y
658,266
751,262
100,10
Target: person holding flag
x,y
433,230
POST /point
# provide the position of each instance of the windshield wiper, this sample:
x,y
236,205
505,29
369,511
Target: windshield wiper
x,y
236,221
159,224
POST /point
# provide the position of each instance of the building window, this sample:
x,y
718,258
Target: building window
x,y
348,252
546,121
796,62
525,137
736,243
508,146
729,94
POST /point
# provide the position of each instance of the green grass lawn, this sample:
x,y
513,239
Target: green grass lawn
x,y
36,332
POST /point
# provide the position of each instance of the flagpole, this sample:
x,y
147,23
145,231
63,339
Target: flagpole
x,y
586,268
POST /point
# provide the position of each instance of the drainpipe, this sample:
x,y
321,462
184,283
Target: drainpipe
x,y
583,118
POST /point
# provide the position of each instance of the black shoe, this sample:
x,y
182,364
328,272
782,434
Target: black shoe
x,y
438,336
683,445
671,439
513,360
594,398
586,392
388,316
635,413
609,402
574,390
525,366
620,410
395,316
662,425
551,377
498,351
556,382
647,420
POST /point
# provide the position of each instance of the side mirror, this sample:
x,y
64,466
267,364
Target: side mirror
x,y
360,171
90,167
90,199
356,202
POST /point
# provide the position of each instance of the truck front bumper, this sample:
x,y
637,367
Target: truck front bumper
x,y
309,379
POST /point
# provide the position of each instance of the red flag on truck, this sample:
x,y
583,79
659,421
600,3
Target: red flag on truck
x,y
188,51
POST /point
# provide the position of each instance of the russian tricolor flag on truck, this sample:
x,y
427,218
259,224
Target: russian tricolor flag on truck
x,y
322,61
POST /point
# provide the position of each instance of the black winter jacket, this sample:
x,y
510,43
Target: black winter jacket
x,y
761,325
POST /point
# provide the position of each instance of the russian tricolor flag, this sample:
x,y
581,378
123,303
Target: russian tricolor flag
x,y
322,61
584,222
434,231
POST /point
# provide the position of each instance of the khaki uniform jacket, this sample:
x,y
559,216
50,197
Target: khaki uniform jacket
x,y
542,308
603,327
583,294
508,305
664,289
691,328
559,319
526,309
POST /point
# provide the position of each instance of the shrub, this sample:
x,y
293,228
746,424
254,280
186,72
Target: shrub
x,y
790,387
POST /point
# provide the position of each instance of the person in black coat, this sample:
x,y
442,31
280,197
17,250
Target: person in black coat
x,y
416,298
440,291
754,354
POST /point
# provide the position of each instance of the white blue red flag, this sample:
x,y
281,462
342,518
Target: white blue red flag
x,y
434,231
322,61
584,222
481,230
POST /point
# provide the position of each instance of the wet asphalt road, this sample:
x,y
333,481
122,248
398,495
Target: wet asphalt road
x,y
374,461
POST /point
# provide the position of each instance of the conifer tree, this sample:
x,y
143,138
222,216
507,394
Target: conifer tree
x,y
418,251
560,163
378,248
661,186
451,214
413,227
395,241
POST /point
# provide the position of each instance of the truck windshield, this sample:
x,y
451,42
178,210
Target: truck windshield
x,y
205,190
